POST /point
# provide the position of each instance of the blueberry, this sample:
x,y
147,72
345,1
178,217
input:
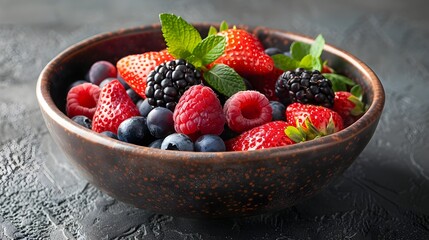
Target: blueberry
x,y
177,141
228,133
83,121
101,70
287,54
133,95
144,107
134,130
209,143
122,81
74,84
156,144
160,122
106,81
273,51
278,111
110,134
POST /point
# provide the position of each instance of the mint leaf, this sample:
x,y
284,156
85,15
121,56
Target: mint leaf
x,y
357,91
339,78
316,48
299,50
284,62
223,26
224,79
212,31
307,62
210,49
180,36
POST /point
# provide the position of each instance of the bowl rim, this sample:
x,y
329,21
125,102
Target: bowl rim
x,y
47,105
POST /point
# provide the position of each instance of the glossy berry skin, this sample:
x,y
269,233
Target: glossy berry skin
x,y
101,70
319,117
279,111
247,109
273,51
349,107
134,69
82,100
74,84
83,121
134,130
133,95
178,142
266,83
167,83
105,81
156,144
199,112
244,53
114,106
209,143
160,122
144,107
271,134
110,134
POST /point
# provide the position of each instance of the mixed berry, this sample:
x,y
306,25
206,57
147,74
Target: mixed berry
x,y
221,93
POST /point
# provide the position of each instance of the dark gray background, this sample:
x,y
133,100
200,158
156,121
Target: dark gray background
x,y
383,195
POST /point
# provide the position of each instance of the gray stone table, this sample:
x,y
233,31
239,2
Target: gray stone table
x,y
383,195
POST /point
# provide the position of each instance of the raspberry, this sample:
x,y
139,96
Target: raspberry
x,y
82,100
199,112
247,109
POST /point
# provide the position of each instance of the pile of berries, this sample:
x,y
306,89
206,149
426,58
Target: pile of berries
x,y
158,100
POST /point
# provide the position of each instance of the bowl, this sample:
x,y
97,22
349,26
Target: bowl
x,y
201,185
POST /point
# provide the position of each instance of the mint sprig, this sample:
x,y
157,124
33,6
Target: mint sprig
x,y
303,55
184,42
339,82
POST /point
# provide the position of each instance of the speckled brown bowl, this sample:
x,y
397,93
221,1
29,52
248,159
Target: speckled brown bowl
x,y
209,185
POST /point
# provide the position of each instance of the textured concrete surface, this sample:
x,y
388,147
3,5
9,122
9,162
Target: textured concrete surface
x,y
383,195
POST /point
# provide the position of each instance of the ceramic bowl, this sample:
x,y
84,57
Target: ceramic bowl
x,y
201,185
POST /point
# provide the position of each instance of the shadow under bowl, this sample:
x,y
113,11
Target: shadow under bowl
x,y
201,185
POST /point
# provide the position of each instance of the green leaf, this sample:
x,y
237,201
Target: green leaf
x,y
359,108
298,50
307,62
357,91
284,62
316,48
330,127
295,134
180,36
317,64
210,49
339,82
212,31
223,26
224,79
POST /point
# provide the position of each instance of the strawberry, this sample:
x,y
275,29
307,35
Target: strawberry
x,y
327,69
134,69
271,134
314,121
114,106
244,53
265,84
348,106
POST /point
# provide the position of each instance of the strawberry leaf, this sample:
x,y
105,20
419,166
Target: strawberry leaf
x,y
298,50
357,91
209,49
284,62
359,108
316,48
224,79
212,31
223,26
180,36
295,134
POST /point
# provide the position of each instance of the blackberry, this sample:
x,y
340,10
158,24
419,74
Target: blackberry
x,y
308,87
167,83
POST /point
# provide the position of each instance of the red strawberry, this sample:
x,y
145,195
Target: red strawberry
x,y
82,100
348,106
135,68
315,121
327,69
199,112
266,83
113,107
271,134
244,53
